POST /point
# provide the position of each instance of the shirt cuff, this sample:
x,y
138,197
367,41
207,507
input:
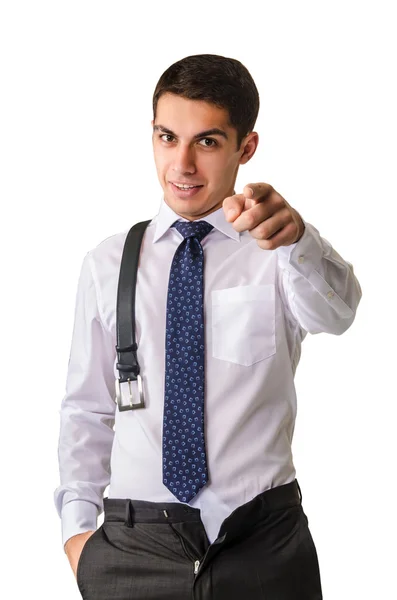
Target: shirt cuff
x,y
304,255
78,516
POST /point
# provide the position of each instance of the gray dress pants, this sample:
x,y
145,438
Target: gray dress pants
x,y
160,551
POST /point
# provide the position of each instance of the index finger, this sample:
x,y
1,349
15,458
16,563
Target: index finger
x,y
233,206
259,190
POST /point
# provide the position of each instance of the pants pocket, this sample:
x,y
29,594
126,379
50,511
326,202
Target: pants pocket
x,y
83,557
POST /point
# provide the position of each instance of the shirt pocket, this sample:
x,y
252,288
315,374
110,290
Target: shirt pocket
x,y
243,323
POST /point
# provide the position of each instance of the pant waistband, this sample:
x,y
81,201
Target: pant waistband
x,y
132,511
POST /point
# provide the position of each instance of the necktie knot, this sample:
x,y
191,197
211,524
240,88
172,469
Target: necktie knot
x,y
198,229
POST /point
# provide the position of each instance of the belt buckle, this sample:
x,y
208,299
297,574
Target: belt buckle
x,y
131,405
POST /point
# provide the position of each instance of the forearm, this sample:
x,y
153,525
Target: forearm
x,y
84,463
318,286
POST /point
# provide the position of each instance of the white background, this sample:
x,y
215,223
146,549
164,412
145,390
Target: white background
x,y
76,162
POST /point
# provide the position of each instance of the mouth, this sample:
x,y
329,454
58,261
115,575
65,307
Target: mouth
x,y
185,190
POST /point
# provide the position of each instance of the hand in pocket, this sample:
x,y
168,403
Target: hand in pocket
x,y
74,547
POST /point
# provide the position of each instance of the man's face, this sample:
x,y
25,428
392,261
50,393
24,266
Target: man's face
x,y
194,145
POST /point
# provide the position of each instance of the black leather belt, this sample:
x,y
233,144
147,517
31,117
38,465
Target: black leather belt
x,y
126,348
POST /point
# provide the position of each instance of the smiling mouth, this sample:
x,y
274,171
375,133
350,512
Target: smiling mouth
x,y
185,186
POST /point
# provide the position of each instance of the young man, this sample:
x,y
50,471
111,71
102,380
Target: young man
x,y
203,500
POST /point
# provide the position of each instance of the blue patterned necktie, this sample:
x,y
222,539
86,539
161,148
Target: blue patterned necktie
x,y
184,457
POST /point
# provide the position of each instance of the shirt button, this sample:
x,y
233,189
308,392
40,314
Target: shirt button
x,y
330,294
301,259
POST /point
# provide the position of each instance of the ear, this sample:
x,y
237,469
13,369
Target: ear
x,y
249,146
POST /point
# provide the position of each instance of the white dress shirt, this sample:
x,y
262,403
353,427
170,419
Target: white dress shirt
x,y
258,307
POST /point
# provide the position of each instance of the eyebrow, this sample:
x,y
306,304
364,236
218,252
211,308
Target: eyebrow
x,y
214,131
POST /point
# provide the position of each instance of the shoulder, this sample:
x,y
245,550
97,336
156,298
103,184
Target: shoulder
x,y
109,248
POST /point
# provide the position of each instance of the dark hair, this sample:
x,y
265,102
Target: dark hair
x,y
218,80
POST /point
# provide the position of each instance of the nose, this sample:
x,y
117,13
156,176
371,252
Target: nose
x,y
184,162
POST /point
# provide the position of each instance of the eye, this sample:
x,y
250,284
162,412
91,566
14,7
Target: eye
x,y
167,135
212,142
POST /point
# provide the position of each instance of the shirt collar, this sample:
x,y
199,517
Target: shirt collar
x,y
166,217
